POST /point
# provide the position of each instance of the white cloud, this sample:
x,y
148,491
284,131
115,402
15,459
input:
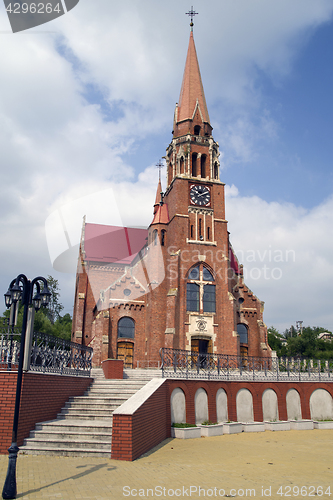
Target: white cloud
x,y
286,252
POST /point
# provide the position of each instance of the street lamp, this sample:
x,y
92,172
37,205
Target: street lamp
x,y
21,289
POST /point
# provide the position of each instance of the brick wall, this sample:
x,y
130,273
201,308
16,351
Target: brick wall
x,y
42,397
136,432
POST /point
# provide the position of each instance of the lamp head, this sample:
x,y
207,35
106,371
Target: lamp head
x,y
16,292
45,296
8,298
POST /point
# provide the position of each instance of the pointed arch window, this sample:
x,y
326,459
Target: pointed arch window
x,y
197,129
201,290
155,237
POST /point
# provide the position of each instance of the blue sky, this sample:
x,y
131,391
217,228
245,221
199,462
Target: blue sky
x,y
86,111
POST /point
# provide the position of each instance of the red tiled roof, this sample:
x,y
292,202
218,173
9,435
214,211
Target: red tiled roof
x,y
192,88
113,243
161,215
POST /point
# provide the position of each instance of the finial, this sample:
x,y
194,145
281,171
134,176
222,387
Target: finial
x,y
191,13
159,165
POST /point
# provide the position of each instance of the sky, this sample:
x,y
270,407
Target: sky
x,y
86,112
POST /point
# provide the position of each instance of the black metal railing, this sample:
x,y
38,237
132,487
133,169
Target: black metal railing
x,y
10,342
177,363
48,354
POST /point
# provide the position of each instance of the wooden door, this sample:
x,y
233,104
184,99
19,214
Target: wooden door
x,y
244,355
125,352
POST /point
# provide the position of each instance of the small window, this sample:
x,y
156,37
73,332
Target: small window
x,y
242,332
193,294
126,327
194,273
197,129
127,292
191,232
208,233
155,237
163,237
200,227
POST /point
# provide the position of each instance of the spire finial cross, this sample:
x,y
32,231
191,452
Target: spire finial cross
x,y
191,13
159,165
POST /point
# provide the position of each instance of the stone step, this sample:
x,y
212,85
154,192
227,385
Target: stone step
x,y
70,425
100,400
84,426
79,435
110,404
39,444
106,416
66,452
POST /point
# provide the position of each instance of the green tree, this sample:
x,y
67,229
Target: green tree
x,y
48,319
54,308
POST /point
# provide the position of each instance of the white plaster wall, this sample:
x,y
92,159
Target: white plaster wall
x,y
221,406
201,406
270,405
294,411
321,405
178,407
244,405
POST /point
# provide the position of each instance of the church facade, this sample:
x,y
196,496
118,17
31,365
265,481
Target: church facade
x,y
177,284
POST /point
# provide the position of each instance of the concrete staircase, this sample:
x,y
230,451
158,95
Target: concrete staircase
x,y
84,426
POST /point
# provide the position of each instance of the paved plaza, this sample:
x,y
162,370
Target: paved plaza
x,y
239,465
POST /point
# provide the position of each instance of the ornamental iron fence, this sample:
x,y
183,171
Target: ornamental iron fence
x,y
48,354
177,363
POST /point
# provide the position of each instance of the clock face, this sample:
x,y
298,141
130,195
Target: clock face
x,y
200,195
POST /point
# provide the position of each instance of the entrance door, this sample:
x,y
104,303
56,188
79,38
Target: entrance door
x,y
244,355
125,352
200,346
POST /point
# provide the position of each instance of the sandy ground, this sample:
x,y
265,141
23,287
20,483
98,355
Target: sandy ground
x,y
268,464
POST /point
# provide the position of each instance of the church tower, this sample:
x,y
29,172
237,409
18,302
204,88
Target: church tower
x,y
177,285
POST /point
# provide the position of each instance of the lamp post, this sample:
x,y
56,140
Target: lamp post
x,y
21,289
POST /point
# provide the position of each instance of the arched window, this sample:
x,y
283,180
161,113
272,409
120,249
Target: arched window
x,y
155,237
201,296
163,233
197,130
126,328
242,332
203,166
181,165
216,170
194,164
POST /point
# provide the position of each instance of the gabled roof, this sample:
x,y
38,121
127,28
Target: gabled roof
x,y
192,91
113,243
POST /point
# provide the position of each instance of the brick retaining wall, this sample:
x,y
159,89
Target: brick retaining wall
x,y
150,421
42,397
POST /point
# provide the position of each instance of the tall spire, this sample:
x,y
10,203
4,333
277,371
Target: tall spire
x,y
192,91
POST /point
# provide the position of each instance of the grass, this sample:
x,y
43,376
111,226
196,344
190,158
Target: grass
x,y
182,426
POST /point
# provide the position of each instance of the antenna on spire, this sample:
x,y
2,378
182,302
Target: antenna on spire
x,y
159,165
191,13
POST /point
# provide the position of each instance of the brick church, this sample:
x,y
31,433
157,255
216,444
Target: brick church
x,y
177,284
